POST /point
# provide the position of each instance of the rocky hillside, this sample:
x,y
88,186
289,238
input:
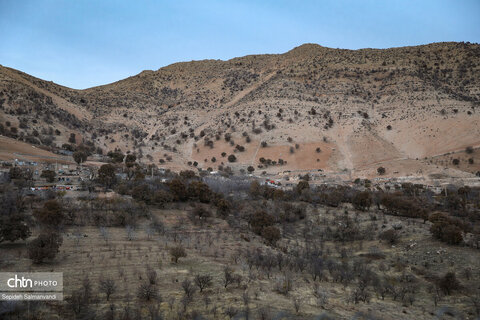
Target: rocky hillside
x,y
411,110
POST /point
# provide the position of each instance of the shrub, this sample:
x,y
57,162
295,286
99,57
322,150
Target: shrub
x,y
72,138
142,193
200,213
130,160
223,207
381,170
469,150
271,234
232,158
448,283
198,190
362,201
445,228
177,253
106,175
456,162
51,214
401,206
302,185
260,220
292,213
80,156
45,246
13,227
162,197
390,236
447,232
178,189
116,156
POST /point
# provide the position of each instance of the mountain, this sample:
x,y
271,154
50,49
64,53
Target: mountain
x,y
411,110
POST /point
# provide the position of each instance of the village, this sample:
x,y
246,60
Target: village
x,y
70,176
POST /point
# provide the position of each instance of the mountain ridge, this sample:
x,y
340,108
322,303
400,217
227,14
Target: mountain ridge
x,y
411,98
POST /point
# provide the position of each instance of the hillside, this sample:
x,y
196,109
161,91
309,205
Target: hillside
x,y
405,109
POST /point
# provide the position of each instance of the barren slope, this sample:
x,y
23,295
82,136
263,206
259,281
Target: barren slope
x,y
362,108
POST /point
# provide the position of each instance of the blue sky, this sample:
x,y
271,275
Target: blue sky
x,y
84,43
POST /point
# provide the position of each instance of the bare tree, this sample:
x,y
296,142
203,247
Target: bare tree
x,y
108,287
228,277
189,288
147,292
130,232
203,281
151,276
171,302
105,235
475,301
296,304
320,294
231,312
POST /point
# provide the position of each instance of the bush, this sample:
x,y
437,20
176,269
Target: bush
x,y
271,234
162,197
116,156
200,213
177,253
187,174
106,175
46,246
142,193
390,236
448,283
232,158
447,232
291,213
398,205
445,228
13,227
72,138
302,185
199,191
362,201
261,220
381,170
178,189
51,214
80,156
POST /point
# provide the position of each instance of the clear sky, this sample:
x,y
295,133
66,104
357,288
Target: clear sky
x,y
84,43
